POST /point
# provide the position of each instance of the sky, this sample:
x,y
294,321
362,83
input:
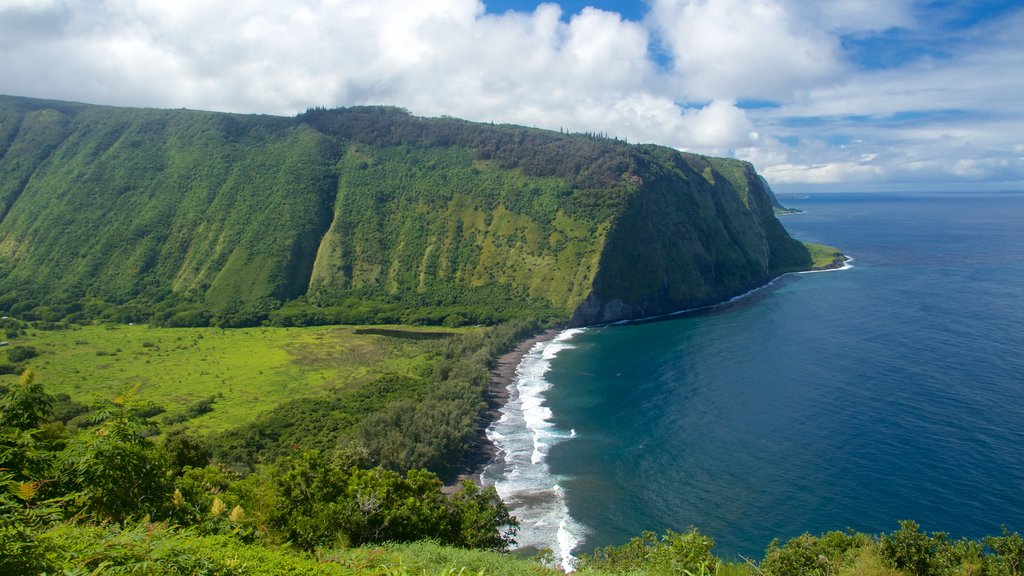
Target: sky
x,y
830,95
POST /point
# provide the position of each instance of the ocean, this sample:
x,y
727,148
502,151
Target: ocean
x,y
857,398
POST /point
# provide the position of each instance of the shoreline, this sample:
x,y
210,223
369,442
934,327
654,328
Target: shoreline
x,y
841,262
483,451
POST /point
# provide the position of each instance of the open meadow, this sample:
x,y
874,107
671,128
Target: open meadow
x,y
246,371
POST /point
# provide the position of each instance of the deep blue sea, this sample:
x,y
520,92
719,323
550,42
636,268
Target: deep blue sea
x,y
849,399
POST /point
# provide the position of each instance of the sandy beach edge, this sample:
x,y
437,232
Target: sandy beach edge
x,y
483,451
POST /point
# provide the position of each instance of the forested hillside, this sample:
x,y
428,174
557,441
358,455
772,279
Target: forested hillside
x,y
181,217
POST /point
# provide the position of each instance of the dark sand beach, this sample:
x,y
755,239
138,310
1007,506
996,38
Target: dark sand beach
x,y
483,450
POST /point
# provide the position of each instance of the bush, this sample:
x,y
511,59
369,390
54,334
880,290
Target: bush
x,y
18,354
911,550
113,471
184,449
813,555
1009,549
673,553
65,409
324,503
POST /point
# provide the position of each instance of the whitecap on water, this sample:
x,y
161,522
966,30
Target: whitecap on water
x,y
523,435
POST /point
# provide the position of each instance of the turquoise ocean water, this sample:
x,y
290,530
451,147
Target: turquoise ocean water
x,y
848,399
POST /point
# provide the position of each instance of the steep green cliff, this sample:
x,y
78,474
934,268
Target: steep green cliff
x,y
697,231
364,212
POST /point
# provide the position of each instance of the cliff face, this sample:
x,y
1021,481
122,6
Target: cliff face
x,y
219,212
697,232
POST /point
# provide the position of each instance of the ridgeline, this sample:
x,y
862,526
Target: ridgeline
x,y
363,215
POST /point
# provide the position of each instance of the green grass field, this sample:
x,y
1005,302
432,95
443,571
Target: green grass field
x,y
251,370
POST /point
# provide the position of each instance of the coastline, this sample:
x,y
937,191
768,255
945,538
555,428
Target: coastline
x,y
841,262
483,451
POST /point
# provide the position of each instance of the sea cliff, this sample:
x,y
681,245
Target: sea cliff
x,y
367,214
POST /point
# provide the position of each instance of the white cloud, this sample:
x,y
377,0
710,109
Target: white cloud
x,y
719,125
862,16
729,49
952,119
956,118
33,5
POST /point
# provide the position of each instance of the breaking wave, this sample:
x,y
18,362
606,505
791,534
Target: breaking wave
x,y
523,435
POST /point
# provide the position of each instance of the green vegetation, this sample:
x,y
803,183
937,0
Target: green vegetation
x,y
412,397
404,422
823,257
70,500
362,215
111,495
228,436
238,374
672,553
75,491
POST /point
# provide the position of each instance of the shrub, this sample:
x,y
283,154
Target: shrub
x,y
323,503
184,449
65,409
674,552
911,550
1009,549
112,469
18,354
808,555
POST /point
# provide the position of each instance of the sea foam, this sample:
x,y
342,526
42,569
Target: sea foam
x,y
847,264
523,435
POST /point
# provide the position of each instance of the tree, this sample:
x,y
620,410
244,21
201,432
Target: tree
x,y
114,470
184,449
24,449
27,405
911,550
483,520
321,503
309,488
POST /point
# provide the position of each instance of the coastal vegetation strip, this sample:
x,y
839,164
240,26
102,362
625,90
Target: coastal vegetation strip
x,y
825,257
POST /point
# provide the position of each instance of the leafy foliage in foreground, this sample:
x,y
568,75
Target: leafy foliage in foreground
x,y
322,503
301,515
111,475
671,553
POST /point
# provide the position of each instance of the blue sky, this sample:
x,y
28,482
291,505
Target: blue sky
x,y
826,95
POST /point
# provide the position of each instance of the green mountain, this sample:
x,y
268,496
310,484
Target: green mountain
x,y
364,214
